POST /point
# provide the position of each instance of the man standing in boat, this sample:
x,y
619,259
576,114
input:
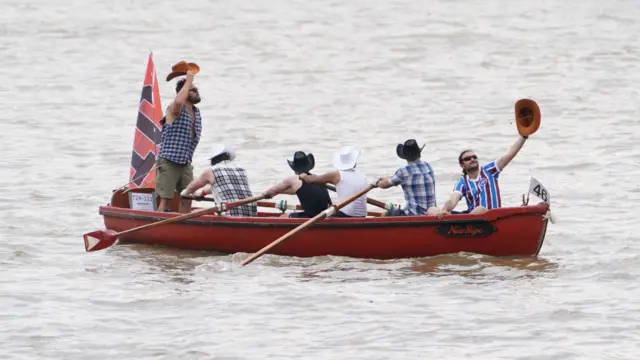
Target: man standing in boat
x,y
227,183
417,179
181,129
479,184
347,180
312,197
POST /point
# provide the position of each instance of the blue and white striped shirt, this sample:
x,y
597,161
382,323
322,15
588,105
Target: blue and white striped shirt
x,y
483,191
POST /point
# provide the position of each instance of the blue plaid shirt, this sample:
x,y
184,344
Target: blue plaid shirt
x,y
419,184
178,143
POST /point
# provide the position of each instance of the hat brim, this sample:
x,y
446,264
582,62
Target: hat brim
x,y
303,169
527,125
181,69
222,150
339,165
400,151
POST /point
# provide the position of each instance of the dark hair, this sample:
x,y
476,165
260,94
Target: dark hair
x,y
180,84
464,172
219,158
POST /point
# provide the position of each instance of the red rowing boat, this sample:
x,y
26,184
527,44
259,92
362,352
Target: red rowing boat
x,y
509,231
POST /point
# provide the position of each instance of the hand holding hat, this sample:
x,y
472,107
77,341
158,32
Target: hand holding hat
x,y
527,117
181,69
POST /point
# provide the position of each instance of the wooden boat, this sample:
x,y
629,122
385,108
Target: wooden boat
x,y
509,231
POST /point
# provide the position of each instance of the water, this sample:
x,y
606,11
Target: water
x,y
277,77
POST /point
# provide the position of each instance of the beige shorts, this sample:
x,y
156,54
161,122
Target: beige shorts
x,y
172,177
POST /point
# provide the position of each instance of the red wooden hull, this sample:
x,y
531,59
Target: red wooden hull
x,y
516,231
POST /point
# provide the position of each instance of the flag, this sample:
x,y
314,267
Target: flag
x,y
146,141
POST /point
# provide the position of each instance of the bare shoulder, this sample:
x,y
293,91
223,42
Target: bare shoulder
x,y
293,179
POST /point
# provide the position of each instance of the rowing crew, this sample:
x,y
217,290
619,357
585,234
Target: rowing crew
x,y
182,126
228,182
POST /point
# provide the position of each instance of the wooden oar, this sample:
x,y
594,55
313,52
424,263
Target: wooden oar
x,y
371,201
155,167
280,205
325,214
102,239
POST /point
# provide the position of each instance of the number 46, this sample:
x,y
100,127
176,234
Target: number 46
x,y
541,192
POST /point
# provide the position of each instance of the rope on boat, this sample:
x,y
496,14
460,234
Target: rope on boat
x,y
549,216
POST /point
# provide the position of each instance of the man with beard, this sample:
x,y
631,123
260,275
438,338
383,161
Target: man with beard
x,y
181,129
479,185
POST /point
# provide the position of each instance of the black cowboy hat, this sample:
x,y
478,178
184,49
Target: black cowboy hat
x,y
409,150
302,163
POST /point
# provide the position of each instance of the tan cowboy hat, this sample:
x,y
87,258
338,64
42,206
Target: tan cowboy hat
x,y
181,68
527,116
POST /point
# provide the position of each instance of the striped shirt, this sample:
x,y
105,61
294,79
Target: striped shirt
x,y
230,183
419,185
483,191
180,138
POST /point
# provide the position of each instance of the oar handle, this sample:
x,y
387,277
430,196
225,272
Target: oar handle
x,y
218,208
325,214
374,202
280,205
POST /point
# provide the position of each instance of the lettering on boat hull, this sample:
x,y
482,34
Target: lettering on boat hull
x,y
476,229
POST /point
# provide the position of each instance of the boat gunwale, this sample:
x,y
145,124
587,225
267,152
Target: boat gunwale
x,y
278,222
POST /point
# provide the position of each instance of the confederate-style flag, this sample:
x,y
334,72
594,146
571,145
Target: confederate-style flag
x,y
146,142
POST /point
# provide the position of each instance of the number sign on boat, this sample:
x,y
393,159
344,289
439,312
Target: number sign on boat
x,y
142,201
536,188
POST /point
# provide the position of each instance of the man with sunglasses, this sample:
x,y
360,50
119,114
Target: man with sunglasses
x,y
181,129
479,184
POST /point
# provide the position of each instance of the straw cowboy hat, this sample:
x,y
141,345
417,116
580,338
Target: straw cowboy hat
x,y
527,116
409,150
181,68
302,163
346,158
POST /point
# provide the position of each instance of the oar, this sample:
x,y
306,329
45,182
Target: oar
x,y
102,239
280,205
325,214
155,167
374,202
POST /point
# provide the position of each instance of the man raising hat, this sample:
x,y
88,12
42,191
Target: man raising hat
x,y
181,129
479,184
312,197
417,179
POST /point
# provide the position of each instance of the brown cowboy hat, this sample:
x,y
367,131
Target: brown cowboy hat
x,y
527,116
181,68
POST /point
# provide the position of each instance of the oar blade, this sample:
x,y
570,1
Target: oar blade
x,y
99,240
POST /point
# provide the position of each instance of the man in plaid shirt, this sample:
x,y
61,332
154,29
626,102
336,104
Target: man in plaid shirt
x,y
417,179
227,183
181,129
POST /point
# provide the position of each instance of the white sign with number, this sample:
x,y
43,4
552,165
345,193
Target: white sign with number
x,y
142,201
536,188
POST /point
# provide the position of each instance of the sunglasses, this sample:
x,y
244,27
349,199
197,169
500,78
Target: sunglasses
x,y
194,89
470,157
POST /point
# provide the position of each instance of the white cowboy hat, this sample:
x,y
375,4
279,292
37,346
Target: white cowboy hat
x,y
346,158
218,149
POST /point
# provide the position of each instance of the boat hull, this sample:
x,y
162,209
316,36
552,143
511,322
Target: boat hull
x,y
517,231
